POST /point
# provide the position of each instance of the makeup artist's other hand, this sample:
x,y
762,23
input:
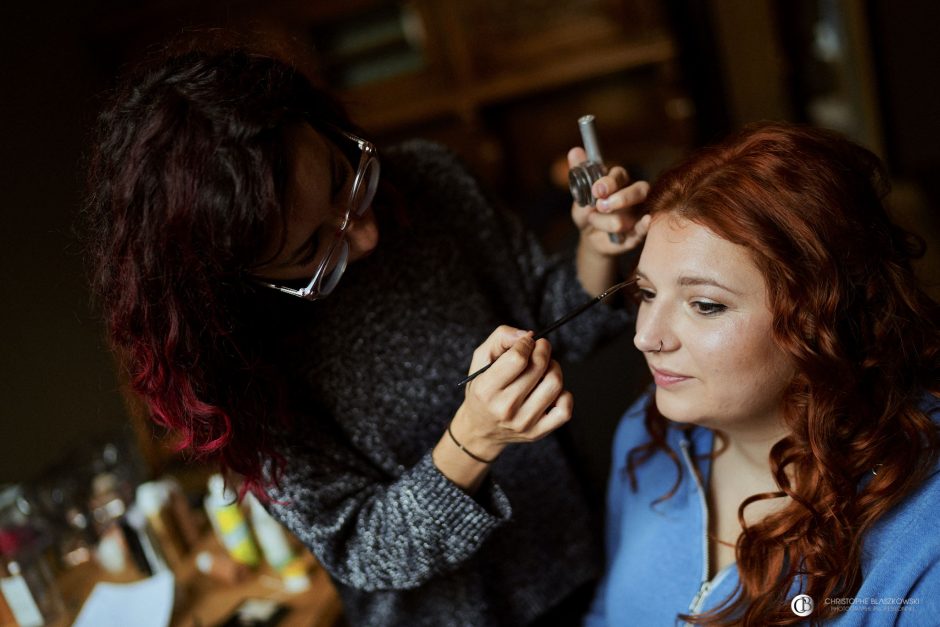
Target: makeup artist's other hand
x,y
520,398
618,210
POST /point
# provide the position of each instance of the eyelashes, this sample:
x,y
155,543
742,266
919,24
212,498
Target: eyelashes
x,y
708,308
702,307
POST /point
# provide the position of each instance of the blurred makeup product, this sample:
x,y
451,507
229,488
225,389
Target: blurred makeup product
x,y
229,523
126,540
21,599
155,500
275,545
29,594
6,613
144,546
185,518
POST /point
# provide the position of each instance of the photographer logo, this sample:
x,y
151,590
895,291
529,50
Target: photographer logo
x,y
802,605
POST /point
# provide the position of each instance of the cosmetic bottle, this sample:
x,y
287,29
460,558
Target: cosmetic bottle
x,y
29,591
276,547
19,597
186,520
229,523
153,499
6,613
28,588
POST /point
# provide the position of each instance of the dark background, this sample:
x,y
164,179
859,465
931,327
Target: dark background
x,y
520,84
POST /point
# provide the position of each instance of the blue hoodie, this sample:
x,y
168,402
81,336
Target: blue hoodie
x,y
657,555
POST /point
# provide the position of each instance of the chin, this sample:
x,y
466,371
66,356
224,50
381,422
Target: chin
x,y
678,409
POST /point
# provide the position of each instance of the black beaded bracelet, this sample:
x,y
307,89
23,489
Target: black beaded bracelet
x,y
461,447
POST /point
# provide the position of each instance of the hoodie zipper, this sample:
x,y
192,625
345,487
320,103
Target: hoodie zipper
x,y
699,600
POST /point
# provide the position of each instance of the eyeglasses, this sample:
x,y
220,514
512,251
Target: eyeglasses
x,y
330,243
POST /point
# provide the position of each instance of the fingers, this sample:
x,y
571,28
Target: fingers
x,y
576,156
516,367
520,398
514,375
540,400
499,341
547,407
555,417
618,214
616,179
505,387
617,208
624,197
539,361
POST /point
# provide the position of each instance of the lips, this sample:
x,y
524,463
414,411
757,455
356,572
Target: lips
x,y
666,378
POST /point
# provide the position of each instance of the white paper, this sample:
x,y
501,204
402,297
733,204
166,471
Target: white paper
x,y
21,602
146,603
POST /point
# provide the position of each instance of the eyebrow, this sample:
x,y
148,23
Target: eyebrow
x,y
691,281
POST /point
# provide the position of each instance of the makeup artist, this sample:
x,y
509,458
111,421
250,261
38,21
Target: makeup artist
x,y
227,197
784,467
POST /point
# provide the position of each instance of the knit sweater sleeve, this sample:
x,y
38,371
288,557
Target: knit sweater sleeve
x,y
375,532
536,288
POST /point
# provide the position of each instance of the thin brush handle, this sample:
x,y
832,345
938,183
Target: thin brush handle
x,y
574,313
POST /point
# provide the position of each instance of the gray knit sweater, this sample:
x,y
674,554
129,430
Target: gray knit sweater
x,y
381,357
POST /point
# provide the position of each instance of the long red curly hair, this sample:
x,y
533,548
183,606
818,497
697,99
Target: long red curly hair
x,y
863,335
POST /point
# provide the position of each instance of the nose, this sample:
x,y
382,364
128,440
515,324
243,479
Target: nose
x,y
653,331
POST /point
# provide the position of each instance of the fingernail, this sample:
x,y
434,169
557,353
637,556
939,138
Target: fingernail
x,y
600,189
521,333
603,204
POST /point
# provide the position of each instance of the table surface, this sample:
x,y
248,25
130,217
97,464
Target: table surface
x,y
203,601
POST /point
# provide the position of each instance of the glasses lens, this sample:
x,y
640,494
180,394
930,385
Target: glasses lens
x,y
365,190
335,266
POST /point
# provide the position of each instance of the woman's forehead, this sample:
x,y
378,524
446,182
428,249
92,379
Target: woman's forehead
x,y
679,248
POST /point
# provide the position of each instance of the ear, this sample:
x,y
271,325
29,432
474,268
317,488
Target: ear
x,y
363,235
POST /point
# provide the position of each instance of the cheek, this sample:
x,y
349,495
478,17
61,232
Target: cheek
x,y
749,360
722,351
738,352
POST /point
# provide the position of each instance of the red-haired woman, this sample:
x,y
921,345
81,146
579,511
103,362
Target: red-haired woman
x,y
783,469
228,196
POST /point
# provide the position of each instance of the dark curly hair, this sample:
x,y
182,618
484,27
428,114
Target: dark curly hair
x,y
863,335
186,187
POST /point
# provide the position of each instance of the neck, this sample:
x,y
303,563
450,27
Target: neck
x,y
749,448
740,469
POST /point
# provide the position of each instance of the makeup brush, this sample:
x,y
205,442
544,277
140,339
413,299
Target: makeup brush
x,y
574,313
